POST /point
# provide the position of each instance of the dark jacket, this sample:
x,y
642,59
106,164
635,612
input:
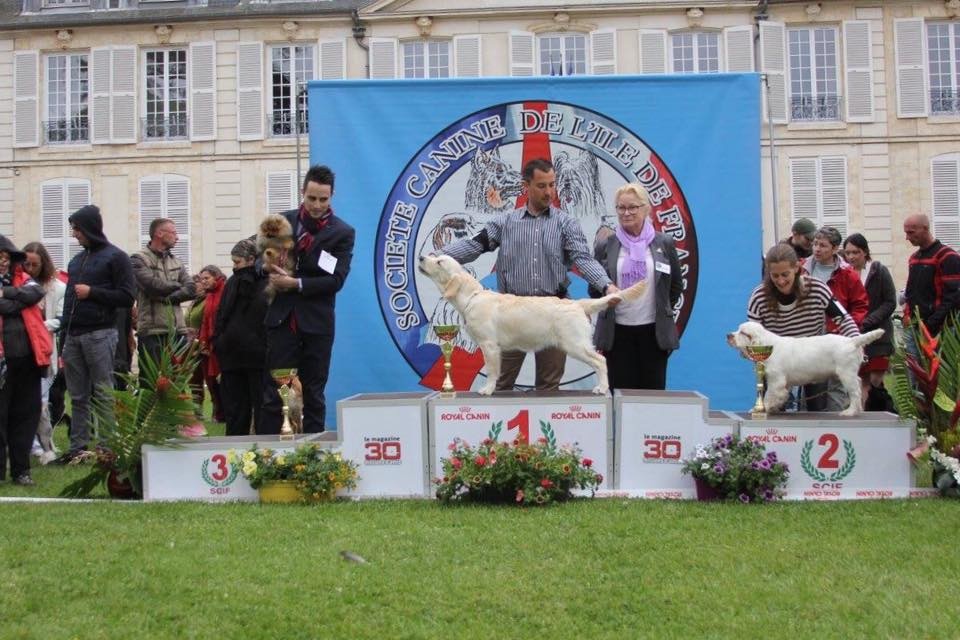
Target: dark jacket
x,y
668,288
933,285
313,306
240,340
883,302
16,342
106,269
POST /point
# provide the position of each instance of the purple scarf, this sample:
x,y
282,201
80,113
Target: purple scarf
x,y
634,267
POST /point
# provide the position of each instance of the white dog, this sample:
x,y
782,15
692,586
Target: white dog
x,y
798,361
503,322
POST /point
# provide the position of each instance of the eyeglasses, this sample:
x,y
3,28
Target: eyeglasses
x,y
632,209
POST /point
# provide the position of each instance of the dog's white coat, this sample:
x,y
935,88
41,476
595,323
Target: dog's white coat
x,y
501,322
799,361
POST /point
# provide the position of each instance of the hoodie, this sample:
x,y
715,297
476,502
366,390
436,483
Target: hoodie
x,y
24,334
105,269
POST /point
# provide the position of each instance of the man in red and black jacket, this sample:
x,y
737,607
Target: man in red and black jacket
x,y
933,280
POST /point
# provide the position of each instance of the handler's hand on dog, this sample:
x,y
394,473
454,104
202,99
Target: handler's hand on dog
x,y
612,288
283,282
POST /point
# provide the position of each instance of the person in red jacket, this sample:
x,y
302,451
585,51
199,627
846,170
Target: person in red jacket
x,y
844,282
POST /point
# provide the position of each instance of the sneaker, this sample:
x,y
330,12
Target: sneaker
x,y
47,457
71,457
24,480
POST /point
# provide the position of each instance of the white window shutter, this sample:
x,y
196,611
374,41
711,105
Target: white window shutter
x,y
151,204
653,51
738,49
53,220
177,201
203,90
281,191
383,58
250,91
467,57
333,59
945,173
99,106
803,189
603,52
521,54
123,96
911,68
858,61
773,62
78,195
26,114
833,193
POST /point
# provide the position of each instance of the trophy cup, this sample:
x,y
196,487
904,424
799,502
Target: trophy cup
x,y
758,354
446,333
284,377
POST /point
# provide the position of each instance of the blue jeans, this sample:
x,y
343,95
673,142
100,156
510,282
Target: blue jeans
x,y
88,365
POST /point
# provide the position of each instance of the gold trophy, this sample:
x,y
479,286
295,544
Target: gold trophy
x,y
758,354
284,377
446,333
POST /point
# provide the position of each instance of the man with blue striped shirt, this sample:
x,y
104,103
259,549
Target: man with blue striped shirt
x,y
538,244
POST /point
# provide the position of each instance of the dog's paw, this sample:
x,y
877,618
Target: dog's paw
x,y
487,389
850,411
601,389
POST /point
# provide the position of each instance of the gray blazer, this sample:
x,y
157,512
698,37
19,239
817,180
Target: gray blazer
x,y
668,288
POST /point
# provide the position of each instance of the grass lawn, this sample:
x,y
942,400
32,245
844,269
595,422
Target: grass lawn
x,y
607,568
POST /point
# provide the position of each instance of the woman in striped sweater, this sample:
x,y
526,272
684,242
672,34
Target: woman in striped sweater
x,y
789,303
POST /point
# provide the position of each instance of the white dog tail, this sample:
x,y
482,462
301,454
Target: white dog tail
x,y
868,337
596,305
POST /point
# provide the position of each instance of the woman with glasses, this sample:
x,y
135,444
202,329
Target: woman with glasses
x,y
637,337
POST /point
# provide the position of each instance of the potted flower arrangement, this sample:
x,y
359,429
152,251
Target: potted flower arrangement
x,y
152,409
945,466
306,474
730,468
514,472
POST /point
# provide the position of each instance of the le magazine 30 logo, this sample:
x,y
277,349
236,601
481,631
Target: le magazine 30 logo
x,y
469,173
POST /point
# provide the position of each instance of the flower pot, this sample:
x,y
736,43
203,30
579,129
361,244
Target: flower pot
x,y
706,492
279,492
120,489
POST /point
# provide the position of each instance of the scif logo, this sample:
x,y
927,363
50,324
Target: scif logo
x,y
468,174
219,473
828,467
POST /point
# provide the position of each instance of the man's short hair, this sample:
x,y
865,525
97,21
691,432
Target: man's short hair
x,y
537,164
319,173
156,223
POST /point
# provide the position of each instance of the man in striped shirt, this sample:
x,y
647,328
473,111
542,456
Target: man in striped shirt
x,y
538,244
933,277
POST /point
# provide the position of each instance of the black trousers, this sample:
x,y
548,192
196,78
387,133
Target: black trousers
x,y
636,361
310,354
19,415
242,393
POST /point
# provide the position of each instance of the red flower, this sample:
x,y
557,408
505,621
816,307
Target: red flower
x,y
163,384
487,442
519,495
175,359
587,462
929,343
546,483
456,463
599,478
542,440
480,461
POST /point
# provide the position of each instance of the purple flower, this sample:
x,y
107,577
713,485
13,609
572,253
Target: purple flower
x,y
768,495
765,465
754,465
744,498
772,456
719,468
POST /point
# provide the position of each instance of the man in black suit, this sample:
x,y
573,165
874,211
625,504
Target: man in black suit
x,y
300,320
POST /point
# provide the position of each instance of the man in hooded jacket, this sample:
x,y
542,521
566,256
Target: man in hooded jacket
x,y
100,280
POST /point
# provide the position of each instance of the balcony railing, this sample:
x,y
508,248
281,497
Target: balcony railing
x,y
281,123
175,127
815,109
944,102
69,131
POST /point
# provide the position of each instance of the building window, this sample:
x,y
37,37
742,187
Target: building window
x,y
696,52
814,94
56,4
429,59
943,53
165,82
563,54
67,97
291,67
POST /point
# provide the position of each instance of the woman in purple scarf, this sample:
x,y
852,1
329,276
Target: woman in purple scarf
x,y
637,337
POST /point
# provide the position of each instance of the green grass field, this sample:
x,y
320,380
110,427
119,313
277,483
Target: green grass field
x,y
608,568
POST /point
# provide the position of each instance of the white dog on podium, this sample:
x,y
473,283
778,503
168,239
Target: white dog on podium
x,y
799,361
503,322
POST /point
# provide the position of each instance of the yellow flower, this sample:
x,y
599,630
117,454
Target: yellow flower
x,y
231,457
249,456
249,468
281,460
331,477
337,455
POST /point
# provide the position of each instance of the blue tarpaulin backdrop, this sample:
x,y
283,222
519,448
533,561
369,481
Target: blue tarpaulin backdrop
x,y
422,162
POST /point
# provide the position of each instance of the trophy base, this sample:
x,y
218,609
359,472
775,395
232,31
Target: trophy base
x,y
448,394
758,415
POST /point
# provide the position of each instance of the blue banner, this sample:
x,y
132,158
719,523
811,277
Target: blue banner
x,y
421,163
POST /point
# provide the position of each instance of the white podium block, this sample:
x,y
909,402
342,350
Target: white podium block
x,y
386,435
198,469
562,417
832,457
655,432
